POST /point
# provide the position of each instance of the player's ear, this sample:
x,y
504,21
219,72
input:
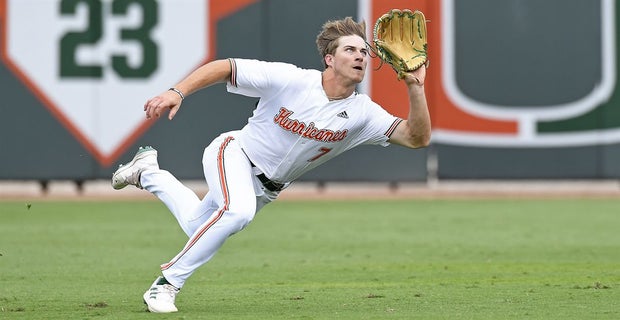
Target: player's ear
x,y
329,59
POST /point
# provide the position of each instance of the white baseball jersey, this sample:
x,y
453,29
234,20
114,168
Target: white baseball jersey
x,y
295,127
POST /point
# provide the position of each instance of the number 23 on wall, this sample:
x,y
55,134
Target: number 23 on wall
x,y
93,34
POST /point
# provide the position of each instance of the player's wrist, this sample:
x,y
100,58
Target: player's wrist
x,y
179,92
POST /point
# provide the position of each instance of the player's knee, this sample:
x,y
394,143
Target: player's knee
x,y
242,214
241,219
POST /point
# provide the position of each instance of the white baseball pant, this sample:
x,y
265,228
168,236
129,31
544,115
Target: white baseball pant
x,y
235,196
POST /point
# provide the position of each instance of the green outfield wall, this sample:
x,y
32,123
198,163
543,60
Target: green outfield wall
x,y
517,89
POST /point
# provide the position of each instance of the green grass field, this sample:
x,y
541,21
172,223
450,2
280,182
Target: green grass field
x,y
417,259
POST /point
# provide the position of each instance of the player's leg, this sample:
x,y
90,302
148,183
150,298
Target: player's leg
x,y
143,172
179,199
229,176
231,189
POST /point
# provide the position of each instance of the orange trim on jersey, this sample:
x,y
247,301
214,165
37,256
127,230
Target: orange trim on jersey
x,y
216,217
233,71
392,128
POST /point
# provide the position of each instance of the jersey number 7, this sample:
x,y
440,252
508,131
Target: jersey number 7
x,y
322,151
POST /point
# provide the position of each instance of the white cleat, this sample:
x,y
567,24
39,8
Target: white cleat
x,y
160,297
129,173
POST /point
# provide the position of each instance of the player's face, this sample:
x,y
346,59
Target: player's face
x,y
351,58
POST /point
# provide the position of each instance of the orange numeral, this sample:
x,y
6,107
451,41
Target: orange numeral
x,y
323,151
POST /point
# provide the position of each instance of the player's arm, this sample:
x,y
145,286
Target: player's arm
x,y
415,131
217,71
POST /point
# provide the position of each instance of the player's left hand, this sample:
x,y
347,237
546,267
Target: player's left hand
x,y
166,101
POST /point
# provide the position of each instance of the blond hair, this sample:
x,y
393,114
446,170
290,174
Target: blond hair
x,y
327,39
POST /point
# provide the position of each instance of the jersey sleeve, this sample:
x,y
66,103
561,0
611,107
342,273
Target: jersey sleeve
x,y
254,78
380,125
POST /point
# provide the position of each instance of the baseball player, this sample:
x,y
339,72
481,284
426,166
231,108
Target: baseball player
x,y
303,118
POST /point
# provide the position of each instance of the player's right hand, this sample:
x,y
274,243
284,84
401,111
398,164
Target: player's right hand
x,y
166,101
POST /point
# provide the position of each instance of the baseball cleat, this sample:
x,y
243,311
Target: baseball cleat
x,y
160,297
129,173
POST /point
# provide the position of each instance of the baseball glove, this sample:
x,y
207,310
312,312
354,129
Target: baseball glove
x,y
400,40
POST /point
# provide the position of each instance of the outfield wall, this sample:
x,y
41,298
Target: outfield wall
x,y
517,89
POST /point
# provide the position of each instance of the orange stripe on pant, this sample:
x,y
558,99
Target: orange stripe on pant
x,y
215,218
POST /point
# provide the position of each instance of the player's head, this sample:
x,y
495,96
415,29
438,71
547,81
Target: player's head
x,y
327,40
